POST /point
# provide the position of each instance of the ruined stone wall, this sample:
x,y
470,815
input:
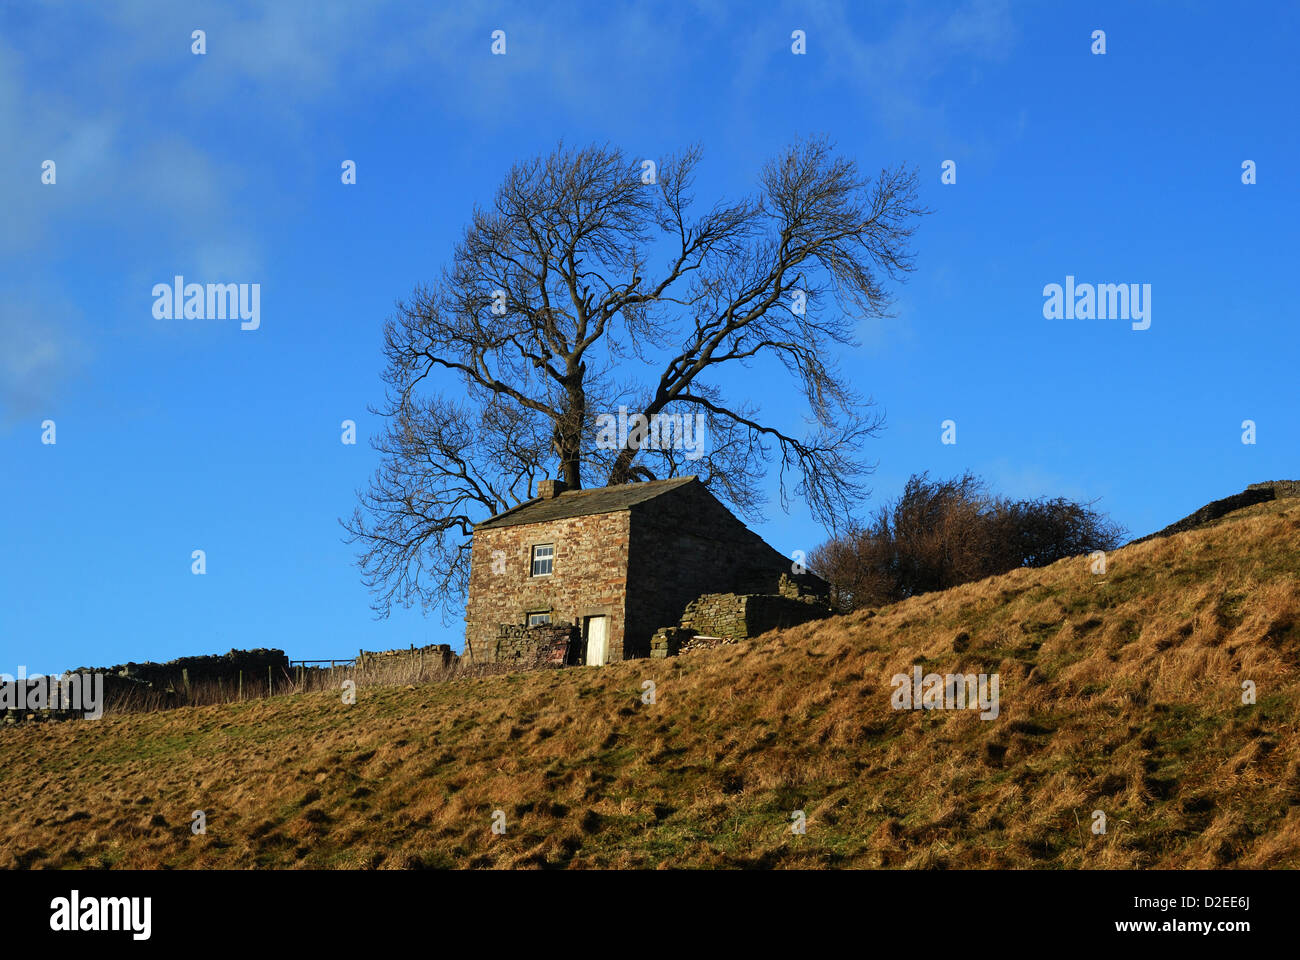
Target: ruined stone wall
x,y
668,641
728,617
739,616
553,645
685,544
589,578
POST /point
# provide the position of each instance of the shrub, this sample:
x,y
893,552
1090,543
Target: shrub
x,y
941,533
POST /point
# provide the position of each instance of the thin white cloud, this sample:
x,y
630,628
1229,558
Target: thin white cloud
x,y
41,350
115,97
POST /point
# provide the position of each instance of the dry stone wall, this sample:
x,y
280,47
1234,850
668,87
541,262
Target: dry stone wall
x,y
728,617
552,644
740,616
1253,494
225,667
434,655
1280,488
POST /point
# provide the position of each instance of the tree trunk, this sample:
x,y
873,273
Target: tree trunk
x,y
568,434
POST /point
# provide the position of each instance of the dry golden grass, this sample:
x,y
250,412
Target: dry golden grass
x,y
1119,693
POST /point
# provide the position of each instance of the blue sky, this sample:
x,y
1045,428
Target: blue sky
x,y
176,435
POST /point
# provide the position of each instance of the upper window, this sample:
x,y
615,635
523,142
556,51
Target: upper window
x,y
543,558
539,619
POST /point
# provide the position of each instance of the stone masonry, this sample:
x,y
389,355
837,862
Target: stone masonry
x,y
636,554
1253,494
740,616
434,655
552,645
689,545
589,578
735,616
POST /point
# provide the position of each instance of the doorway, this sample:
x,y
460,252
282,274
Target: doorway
x,y
597,630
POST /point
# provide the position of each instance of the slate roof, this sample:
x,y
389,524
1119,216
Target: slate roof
x,y
583,503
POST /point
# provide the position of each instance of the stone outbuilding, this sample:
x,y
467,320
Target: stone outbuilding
x,y
592,575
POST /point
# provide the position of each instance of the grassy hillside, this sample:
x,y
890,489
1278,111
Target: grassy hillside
x,y
1119,693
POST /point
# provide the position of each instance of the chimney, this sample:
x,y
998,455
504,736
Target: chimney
x,y
550,489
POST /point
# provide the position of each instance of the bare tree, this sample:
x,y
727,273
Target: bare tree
x,y
590,284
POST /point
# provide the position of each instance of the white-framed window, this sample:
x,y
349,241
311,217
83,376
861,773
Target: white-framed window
x,y
543,559
539,618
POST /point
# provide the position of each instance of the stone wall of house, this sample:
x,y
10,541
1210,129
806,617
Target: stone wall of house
x,y
589,579
686,544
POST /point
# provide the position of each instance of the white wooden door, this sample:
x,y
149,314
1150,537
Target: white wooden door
x,y
597,640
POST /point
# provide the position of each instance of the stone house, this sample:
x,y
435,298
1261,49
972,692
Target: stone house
x,y
591,575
